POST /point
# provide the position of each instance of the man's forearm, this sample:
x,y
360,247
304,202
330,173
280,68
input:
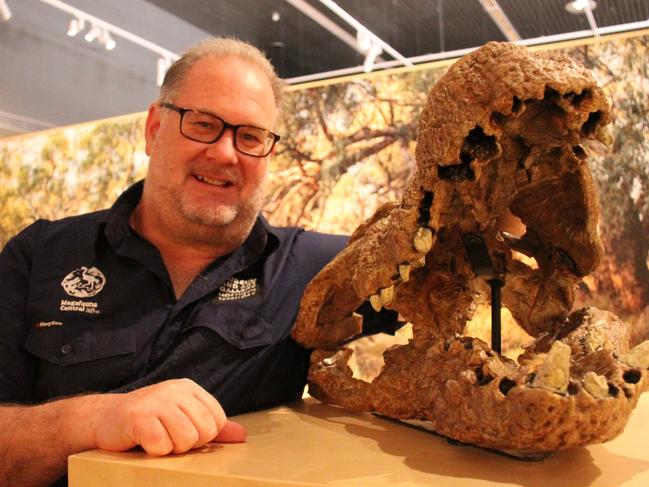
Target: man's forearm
x,y
35,442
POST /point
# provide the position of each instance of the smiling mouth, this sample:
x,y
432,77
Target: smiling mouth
x,y
223,183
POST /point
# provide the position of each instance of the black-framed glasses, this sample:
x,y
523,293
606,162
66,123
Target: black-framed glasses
x,y
208,128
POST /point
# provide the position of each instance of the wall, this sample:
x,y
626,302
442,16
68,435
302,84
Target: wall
x,y
84,81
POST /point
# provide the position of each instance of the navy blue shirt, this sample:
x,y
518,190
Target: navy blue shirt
x,y
88,306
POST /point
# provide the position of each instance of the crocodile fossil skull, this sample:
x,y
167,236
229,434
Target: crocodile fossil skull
x,y
502,131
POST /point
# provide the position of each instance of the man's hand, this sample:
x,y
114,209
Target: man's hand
x,y
170,417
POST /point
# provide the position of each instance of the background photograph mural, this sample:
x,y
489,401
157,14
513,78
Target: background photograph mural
x,y
347,147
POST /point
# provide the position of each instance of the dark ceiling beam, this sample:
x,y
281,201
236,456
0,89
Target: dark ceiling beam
x,y
326,23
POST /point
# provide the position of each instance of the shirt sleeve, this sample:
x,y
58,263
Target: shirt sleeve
x,y
16,365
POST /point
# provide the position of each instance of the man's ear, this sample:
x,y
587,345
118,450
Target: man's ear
x,y
151,126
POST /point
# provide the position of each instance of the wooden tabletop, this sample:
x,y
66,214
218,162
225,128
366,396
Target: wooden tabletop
x,y
312,444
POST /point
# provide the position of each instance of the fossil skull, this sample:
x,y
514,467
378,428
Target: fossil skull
x,y
504,130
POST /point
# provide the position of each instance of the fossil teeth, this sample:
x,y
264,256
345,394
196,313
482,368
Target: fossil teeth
x,y
596,385
404,272
420,262
375,301
554,373
423,240
334,359
387,294
638,356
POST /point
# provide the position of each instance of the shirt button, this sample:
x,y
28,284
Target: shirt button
x,y
66,349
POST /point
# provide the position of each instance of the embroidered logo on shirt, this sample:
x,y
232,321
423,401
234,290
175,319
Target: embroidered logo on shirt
x,y
84,282
48,324
235,288
88,307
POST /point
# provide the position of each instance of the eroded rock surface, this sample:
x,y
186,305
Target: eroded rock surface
x,y
503,131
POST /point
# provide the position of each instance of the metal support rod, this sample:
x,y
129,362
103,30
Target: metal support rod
x,y
496,338
591,19
478,256
500,18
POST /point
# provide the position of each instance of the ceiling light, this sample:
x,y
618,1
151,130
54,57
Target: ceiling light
x,y
5,13
105,33
93,33
275,17
109,42
577,7
369,45
364,40
374,51
76,25
361,29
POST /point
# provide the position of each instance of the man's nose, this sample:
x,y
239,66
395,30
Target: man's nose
x,y
223,150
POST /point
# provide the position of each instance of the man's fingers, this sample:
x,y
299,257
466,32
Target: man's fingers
x,y
153,437
231,433
182,429
202,419
212,405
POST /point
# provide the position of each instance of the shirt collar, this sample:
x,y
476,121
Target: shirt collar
x,y
117,227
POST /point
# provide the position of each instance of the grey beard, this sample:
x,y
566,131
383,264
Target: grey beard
x,y
228,225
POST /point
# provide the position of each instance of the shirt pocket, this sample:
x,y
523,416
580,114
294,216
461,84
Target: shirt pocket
x,y
88,361
242,327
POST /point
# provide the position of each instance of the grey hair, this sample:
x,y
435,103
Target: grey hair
x,y
221,47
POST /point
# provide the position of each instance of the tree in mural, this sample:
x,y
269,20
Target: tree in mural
x,y
114,160
622,173
15,210
67,172
346,149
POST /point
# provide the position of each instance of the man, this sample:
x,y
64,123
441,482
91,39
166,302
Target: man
x,y
139,316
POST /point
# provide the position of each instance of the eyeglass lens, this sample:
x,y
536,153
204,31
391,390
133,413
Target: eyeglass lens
x,y
204,127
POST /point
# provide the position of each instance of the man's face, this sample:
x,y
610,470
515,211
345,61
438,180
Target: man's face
x,y
192,184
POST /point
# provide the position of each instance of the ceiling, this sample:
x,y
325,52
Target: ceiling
x,y
299,46
305,39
